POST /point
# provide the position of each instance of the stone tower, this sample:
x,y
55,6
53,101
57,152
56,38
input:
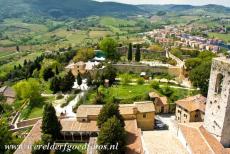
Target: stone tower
x,y
217,114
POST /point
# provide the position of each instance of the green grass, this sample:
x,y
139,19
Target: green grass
x,y
37,110
7,43
224,37
5,53
110,21
128,91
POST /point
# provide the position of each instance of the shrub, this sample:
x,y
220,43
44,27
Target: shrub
x,y
155,85
59,96
140,81
125,79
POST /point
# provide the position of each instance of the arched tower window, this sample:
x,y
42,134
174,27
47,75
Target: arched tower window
x,y
219,83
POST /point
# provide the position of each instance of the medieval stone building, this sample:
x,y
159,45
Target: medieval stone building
x,y
217,113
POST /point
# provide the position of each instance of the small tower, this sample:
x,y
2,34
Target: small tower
x,y
217,113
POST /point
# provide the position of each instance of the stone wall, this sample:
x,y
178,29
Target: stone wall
x,y
138,68
29,122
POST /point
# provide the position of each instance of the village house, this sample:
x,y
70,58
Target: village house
x,y
212,135
190,109
137,116
161,103
8,93
82,67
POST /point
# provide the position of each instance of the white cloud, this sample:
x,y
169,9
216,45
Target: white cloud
x,y
191,2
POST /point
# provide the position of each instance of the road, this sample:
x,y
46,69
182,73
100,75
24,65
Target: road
x,y
163,141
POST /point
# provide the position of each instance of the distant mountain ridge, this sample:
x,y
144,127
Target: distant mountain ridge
x,y
185,8
66,8
84,8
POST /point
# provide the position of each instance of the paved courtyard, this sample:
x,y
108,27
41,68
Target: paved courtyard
x,y
163,141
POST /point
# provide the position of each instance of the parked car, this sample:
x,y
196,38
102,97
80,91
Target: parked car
x,y
159,125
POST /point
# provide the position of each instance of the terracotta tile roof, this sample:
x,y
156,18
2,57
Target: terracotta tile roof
x,y
134,143
200,140
193,103
144,107
74,125
33,136
163,101
126,109
84,111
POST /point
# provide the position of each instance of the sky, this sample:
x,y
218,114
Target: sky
x,y
191,2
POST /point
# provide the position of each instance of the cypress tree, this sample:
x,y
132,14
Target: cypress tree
x,y
138,54
130,52
109,110
112,133
79,79
54,84
56,70
50,123
48,73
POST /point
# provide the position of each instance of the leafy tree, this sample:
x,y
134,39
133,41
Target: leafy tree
x,y
79,79
167,91
109,45
55,84
109,110
5,135
28,89
200,76
112,133
109,73
130,52
138,54
50,123
67,82
47,74
177,52
192,63
84,54
99,99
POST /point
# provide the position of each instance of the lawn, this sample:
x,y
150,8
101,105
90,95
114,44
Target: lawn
x,y
124,93
224,37
130,93
37,110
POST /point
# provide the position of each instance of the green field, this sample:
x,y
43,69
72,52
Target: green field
x,y
224,37
116,22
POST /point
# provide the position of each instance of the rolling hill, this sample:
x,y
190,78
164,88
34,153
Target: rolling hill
x,y
65,8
